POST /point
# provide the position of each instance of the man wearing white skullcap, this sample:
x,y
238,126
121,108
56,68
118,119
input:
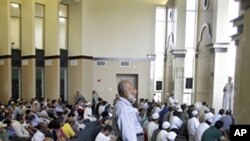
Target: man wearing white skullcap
x,y
153,125
163,134
192,125
175,121
202,127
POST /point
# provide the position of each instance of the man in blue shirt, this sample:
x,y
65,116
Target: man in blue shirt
x,y
126,124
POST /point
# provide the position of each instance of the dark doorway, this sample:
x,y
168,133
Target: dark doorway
x,y
63,83
39,82
16,82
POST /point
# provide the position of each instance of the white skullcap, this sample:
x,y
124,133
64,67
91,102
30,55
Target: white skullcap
x,y
194,112
208,116
155,116
171,136
210,119
179,110
165,125
110,115
198,106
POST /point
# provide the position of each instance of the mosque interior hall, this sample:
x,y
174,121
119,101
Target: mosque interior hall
x,y
185,48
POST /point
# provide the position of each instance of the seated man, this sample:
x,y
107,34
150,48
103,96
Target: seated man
x,y
104,135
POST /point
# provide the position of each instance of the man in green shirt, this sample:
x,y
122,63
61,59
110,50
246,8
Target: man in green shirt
x,y
214,133
3,134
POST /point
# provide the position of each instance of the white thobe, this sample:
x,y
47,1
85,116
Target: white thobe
x,y
88,114
216,118
162,136
227,98
38,136
192,126
200,130
175,122
102,137
152,126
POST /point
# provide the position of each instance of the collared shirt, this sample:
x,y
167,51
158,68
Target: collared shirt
x,y
200,130
126,120
192,126
35,121
38,136
227,121
19,129
102,137
68,131
175,122
162,135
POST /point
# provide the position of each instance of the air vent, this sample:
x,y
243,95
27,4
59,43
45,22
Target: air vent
x,y
101,63
124,64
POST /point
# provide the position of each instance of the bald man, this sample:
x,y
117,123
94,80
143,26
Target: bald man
x,y
126,124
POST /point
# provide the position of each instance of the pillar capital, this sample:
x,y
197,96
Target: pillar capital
x,y
178,53
218,47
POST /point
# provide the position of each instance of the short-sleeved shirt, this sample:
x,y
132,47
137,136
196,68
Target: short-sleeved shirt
x,y
211,134
68,131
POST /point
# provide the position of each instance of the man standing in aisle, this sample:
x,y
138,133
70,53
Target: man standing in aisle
x,y
228,92
126,124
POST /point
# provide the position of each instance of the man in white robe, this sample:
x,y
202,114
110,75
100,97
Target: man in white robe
x,y
192,125
228,92
163,134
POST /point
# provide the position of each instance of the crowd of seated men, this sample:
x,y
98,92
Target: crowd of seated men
x,y
55,120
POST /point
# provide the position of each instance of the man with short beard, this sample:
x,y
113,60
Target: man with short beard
x,y
126,123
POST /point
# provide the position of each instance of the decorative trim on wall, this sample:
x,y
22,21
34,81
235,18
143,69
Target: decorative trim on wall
x,y
81,57
124,59
218,50
5,56
178,53
29,57
239,23
205,26
111,58
52,57
218,47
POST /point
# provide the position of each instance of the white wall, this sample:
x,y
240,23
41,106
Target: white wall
x,y
123,28
105,82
